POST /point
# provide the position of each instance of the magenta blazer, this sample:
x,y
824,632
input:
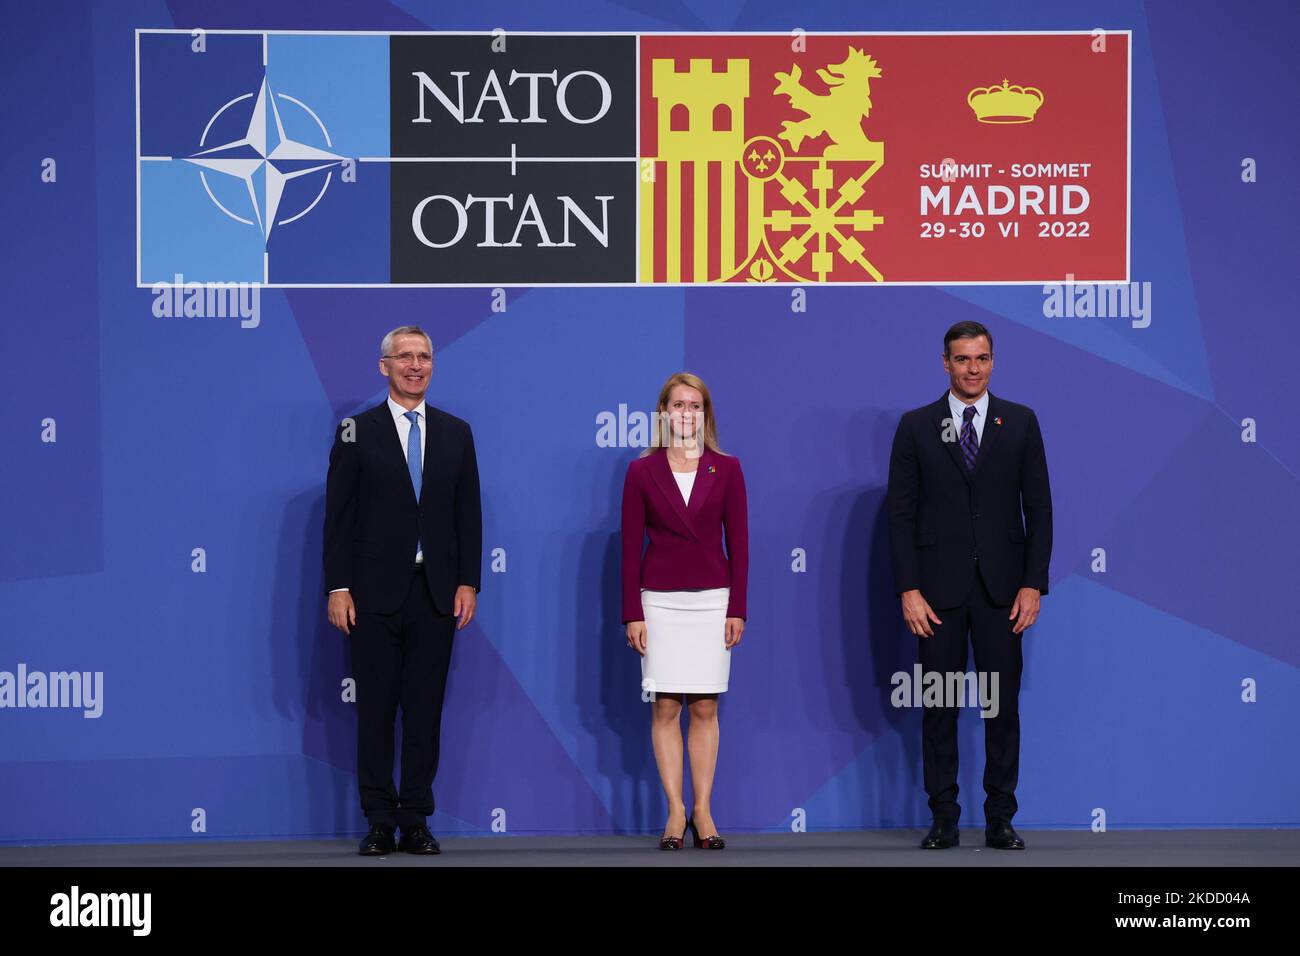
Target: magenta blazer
x,y
685,552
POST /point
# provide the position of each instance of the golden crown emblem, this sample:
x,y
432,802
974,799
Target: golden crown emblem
x,y
1005,103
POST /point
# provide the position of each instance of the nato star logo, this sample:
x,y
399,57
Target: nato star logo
x,y
265,159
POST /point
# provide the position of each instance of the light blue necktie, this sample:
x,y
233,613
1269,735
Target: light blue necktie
x,y
413,464
413,452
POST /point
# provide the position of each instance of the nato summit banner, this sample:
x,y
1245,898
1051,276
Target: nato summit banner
x,y
362,159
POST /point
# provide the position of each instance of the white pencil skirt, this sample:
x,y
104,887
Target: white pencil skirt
x,y
686,641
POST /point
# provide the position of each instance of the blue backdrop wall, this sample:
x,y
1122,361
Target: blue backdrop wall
x,y
1163,689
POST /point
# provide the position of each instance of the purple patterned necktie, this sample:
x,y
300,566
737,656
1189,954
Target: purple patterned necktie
x,y
969,441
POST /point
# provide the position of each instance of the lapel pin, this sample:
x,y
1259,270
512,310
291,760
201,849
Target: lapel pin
x,y
997,421
712,469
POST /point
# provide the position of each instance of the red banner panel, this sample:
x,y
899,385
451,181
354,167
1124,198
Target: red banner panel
x,y
932,158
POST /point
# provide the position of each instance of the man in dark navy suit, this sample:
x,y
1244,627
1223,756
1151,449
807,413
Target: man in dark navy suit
x,y
962,472
403,550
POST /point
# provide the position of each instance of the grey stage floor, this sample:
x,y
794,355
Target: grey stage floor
x,y
844,848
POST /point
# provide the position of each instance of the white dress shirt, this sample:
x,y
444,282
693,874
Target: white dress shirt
x,y
404,433
958,408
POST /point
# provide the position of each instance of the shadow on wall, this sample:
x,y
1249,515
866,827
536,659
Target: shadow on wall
x,y
621,726
866,641
315,662
310,657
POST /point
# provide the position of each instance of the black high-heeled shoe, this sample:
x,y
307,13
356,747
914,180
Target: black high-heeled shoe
x,y
713,842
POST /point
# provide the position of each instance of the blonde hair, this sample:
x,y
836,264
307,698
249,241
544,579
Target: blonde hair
x,y
662,435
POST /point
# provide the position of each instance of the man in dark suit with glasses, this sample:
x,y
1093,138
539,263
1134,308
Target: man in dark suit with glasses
x,y
403,550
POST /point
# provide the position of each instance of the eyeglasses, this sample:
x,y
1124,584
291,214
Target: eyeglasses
x,y
408,358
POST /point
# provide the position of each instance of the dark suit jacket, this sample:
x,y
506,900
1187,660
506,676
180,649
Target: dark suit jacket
x,y
685,551
941,516
372,517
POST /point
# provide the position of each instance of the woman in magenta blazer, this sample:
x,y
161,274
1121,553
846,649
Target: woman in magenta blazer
x,y
683,596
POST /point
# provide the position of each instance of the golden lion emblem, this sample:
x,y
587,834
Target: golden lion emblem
x,y
839,113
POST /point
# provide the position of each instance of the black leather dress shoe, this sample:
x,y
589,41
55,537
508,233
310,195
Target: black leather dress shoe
x,y
943,834
378,842
418,840
1001,835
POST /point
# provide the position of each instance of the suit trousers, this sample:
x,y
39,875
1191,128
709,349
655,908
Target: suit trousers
x,y
997,650
400,660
